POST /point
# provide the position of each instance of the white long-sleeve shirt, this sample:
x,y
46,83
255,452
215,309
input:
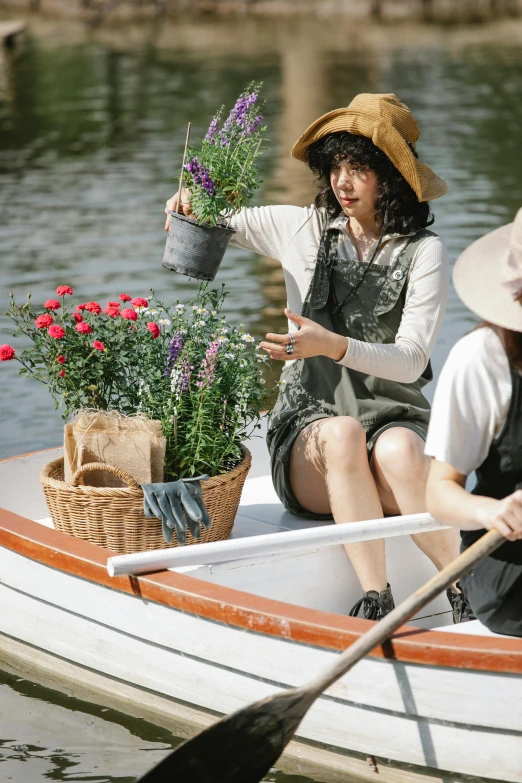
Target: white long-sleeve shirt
x,y
291,236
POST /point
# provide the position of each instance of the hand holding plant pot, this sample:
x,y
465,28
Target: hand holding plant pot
x,y
221,177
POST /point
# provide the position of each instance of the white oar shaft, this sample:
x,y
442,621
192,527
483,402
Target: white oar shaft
x,y
288,541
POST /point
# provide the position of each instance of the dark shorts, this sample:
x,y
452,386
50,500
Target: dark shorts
x,y
494,586
280,463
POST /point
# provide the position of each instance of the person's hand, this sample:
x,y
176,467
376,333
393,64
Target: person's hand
x,y
503,515
174,205
311,340
176,503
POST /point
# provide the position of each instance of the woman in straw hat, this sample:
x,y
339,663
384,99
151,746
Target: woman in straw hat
x,y
476,426
366,286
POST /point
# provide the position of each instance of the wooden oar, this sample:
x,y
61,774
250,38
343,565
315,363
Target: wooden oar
x,y
242,747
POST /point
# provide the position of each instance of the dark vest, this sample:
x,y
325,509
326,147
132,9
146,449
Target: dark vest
x,y
494,587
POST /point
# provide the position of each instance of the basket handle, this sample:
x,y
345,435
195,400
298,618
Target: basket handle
x,y
119,472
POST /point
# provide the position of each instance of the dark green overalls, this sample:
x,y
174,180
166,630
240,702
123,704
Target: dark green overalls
x,y
318,387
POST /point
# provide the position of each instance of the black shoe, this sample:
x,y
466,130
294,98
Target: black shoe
x,y
375,605
461,610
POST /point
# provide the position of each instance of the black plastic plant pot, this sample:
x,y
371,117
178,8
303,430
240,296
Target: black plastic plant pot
x,y
194,249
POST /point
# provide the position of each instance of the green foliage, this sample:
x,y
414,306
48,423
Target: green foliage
x,y
183,365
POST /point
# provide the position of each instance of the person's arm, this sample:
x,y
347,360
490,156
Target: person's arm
x,y
263,230
405,359
448,501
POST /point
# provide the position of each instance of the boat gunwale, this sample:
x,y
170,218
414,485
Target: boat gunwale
x,y
246,611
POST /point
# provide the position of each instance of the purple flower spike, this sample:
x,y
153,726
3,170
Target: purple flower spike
x,y
200,175
175,348
206,371
212,131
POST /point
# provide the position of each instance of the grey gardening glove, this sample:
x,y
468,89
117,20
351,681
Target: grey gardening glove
x,y
177,503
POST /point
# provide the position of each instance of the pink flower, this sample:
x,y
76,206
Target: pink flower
x,y
78,317
52,304
56,332
129,315
43,321
98,345
6,353
139,302
81,307
61,373
125,297
64,289
153,329
61,359
93,307
83,328
113,304
113,312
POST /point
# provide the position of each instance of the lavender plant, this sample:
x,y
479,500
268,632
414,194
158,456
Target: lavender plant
x,y
209,392
222,172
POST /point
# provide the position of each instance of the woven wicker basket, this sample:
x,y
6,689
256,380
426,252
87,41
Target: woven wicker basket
x,y
112,517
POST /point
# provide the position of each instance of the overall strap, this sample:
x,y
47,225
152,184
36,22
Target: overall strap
x,y
398,271
326,256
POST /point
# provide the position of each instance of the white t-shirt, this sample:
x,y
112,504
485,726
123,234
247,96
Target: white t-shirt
x,y
471,402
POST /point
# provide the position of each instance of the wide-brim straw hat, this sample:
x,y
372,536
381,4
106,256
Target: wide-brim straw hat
x,y
488,276
391,126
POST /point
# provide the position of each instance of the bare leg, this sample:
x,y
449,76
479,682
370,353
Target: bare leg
x,y
400,469
329,473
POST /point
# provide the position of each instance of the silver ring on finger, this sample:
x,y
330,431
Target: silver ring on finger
x,y
292,339
289,349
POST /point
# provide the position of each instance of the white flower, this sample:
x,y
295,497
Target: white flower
x,y
263,357
262,381
198,324
224,329
247,338
180,307
202,311
222,339
242,363
182,331
230,355
149,311
194,307
213,313
164,322
141,309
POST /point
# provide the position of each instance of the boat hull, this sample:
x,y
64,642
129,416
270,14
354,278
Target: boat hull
x,y
179,650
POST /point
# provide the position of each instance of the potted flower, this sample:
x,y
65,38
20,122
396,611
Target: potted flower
x,y
222,175
182,366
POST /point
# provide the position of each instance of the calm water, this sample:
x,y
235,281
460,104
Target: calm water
x,y
91,132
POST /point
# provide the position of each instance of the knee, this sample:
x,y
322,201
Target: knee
x,y
343,440
400,451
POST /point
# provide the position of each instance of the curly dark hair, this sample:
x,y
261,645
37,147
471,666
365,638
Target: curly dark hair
x,y
394,195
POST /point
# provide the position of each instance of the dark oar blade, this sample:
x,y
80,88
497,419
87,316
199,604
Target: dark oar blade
x,y
239,748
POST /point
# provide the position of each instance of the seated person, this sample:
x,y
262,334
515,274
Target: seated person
x,y
476,425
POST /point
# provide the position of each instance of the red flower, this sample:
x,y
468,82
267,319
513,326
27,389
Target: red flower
x,y
43,321
113,312
113,304
139,302
52,304
78,317
61,359
93,307
98,345
6,353
153,329
64,289
130,315
61,373
125,297
83,328
81,307
56,332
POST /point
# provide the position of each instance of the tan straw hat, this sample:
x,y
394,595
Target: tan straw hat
x,y
488,276
391,126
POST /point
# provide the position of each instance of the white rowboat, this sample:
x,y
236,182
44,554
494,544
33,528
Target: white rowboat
x,y
178,647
